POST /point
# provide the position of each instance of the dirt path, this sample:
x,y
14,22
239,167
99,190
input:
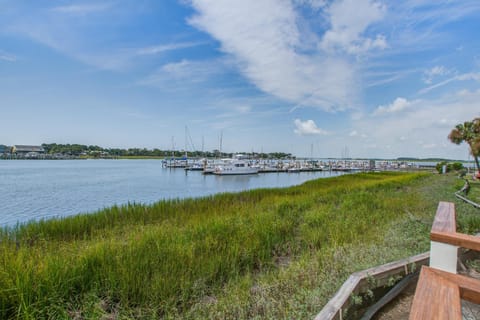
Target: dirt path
x,y
398,309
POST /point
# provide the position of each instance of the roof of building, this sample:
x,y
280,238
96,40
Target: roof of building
x,y
23,148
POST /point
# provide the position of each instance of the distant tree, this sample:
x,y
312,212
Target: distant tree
x,y
468,132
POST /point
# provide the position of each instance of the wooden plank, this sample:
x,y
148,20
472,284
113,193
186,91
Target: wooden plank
x,y
340,300
469,287
383,273
445,220
358,282
457,239
476,205
435,298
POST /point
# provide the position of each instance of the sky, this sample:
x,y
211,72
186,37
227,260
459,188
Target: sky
x,y
355,78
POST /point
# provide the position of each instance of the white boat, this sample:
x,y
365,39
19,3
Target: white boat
x,y
174,163
235,167
197,165
209,167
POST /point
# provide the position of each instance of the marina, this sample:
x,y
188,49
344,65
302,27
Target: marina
x,y
208,166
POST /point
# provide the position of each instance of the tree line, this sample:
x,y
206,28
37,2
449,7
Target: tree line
x,y
96,151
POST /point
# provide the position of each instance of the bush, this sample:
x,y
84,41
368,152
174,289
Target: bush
x,y
454,166
440,165
457,166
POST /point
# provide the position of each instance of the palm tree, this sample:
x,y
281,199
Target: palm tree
x,y
468,132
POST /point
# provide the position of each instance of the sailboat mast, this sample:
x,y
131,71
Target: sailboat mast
x,y
221,140
186,142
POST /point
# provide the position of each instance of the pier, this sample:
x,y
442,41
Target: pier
x,y
299,165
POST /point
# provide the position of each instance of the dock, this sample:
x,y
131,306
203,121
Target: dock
x,y
295,165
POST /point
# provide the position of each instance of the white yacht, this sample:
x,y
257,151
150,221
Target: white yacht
x,y
235,167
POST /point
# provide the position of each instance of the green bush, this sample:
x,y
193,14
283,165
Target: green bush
x,y
456,166
440,165
452,166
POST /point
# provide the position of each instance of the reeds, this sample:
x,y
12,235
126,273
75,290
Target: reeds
x,y
165,259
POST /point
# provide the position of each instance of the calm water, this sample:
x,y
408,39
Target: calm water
x,y
43,189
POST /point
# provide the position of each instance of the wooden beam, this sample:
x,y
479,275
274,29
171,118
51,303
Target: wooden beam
x,y
476,205
333,309
382,274
469,287
457,239
445,219
358,283
436,298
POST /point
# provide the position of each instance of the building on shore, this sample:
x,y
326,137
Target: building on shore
x,y
27,151
4,149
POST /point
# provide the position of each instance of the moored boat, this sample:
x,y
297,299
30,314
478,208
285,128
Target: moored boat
x,y
235,167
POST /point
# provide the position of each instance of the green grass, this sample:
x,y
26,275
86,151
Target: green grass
x,y
269,253
474,193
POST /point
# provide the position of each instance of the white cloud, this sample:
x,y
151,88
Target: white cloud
x,y
308,127
355,133
462,77
400,104
429,146
264,39
5,56
422,131
447,123
349,21
185,74
151,50
83,32
82,9
436,71
243,109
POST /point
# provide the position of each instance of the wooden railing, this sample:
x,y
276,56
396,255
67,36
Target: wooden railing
x,y
440,290
358,283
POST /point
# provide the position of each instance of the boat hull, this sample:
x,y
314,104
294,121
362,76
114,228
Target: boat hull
x,y
234,173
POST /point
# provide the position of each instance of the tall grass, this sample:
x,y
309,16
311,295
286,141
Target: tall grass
x,y
205,257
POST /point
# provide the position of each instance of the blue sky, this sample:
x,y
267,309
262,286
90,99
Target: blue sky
x,y
310,77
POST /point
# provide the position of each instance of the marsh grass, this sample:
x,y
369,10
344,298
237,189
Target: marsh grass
x,y
268,253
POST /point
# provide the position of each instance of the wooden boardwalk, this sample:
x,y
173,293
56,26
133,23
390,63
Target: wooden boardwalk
x,y
440,289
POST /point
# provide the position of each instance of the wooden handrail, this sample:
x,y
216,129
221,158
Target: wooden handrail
x,y
439,292
445,218
457,239
469,287
438,295
436,298
358,283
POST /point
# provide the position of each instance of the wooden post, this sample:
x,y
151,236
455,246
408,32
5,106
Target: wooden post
x,y
443,256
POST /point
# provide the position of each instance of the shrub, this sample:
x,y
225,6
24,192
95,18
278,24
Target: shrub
x,y
457,166
453,166
440,165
